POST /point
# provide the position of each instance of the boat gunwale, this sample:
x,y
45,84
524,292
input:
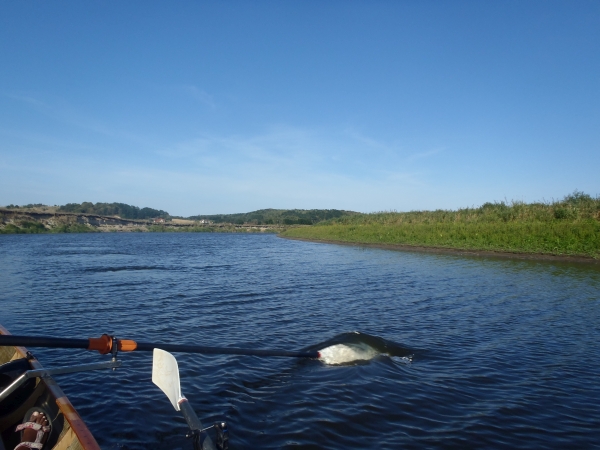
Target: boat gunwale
x,y
84,435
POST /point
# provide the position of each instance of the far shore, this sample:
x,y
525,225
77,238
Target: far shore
x,y
457,251
562,230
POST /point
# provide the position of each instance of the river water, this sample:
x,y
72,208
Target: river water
x,y
456,352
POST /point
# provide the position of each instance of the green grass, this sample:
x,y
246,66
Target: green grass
x,y
24,228
567,227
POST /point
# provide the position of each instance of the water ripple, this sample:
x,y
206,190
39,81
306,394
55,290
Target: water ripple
x,y
458,352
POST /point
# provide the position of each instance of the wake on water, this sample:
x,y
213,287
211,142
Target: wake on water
x,y
348,348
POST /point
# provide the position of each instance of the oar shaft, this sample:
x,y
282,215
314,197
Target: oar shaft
x,y
32,341
145,346
104,345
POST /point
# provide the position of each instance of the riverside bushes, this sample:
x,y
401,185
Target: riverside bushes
x,y
29,227
570,226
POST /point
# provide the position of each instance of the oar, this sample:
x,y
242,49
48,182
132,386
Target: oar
x,y
165,374
108,344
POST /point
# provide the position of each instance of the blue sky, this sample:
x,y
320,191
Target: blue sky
x,y
224,107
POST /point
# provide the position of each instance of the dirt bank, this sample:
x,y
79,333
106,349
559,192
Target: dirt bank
x,y
52,221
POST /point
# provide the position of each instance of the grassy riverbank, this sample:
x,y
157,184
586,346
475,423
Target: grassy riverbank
x,y
567,227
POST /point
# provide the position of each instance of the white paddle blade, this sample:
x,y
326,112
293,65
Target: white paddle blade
x,y
165,374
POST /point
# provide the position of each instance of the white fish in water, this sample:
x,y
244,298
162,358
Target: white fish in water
x,y
347,353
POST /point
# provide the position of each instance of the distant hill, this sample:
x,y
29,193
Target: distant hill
x,y
277,216
113,209
260,217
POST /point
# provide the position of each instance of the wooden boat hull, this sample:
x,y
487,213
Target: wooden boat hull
x,y
69,430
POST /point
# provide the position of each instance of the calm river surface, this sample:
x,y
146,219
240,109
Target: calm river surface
x,y
473,352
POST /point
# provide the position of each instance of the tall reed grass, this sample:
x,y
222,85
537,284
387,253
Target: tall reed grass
x,y
570,226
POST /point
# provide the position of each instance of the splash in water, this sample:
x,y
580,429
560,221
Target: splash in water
x,y
347,353
348,348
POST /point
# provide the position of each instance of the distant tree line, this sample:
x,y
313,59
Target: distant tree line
x,y
114,209
277,216
30,205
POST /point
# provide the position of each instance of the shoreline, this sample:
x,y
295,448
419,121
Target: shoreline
x,y
42,222
458,252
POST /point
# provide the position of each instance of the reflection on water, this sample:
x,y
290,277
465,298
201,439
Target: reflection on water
x,y
504,353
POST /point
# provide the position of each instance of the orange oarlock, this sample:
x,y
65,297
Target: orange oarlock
x,y
104,344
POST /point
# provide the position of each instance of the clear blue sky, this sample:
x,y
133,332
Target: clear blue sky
x,y
226,106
